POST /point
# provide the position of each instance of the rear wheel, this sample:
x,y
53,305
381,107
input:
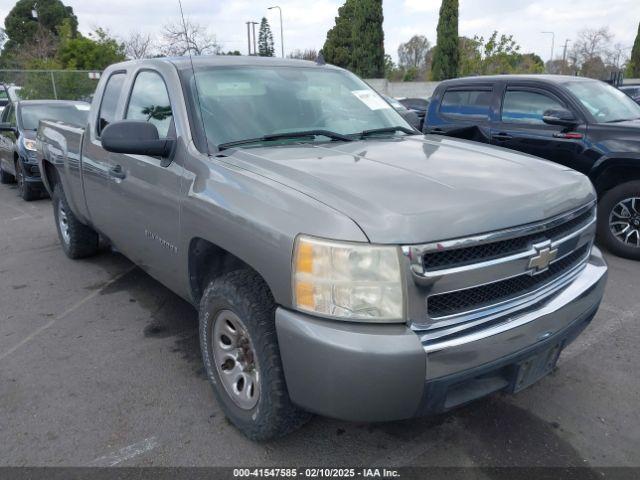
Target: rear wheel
x,y
241,356
6,177
25,189
619,220
78,240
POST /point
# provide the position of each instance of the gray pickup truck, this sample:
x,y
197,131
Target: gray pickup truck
x,y
342,263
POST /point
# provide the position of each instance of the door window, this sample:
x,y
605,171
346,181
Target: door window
x,y
472,104
5,113
149,102
521,106
110,100
11,117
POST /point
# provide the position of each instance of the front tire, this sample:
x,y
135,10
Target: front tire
x,y
619,220
78,240
241,356
25,189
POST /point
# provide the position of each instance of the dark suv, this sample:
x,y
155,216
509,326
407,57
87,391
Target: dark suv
x,y
582,123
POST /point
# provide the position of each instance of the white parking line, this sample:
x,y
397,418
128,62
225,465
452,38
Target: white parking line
x,y
126,453
69,310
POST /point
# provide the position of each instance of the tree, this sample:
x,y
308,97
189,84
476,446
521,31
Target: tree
x,y
633,68
368,39
446,57
529,63
589,51
308,54
95,52
414,53
470,59
179,39
22,27
356,42
498,54
265,39
337,49
138,45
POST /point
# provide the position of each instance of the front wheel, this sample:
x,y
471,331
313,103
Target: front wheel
x,y
619,220
25,189
241,356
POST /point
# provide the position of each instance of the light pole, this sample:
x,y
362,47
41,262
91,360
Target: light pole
x,y
281,35
553,41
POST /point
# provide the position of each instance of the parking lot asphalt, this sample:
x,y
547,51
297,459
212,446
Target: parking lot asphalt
x,y
100,365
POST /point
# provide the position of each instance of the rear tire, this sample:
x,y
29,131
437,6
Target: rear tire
x,y
242,357
25,189
78,240
619,220
5,177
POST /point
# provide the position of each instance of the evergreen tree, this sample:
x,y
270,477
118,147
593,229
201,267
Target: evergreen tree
x,y
338,46
633,70
265,39
368,39
446,56
356,42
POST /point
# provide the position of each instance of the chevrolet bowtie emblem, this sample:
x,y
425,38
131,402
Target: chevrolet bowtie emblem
x,y
544,256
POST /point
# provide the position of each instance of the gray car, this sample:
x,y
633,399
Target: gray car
x,y
342,264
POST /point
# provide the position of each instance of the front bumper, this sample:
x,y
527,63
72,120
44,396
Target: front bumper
x,y
365,372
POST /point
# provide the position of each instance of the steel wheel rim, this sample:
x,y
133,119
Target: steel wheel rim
x,y
235,360
624,221
63,223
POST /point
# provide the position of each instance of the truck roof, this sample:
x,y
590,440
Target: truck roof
x,y
537,77
50,102
183,63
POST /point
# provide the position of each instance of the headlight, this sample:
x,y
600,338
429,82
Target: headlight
x,y
30,144
350,281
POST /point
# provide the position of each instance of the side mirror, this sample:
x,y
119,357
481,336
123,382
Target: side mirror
x,y
564,118
7,127
136,138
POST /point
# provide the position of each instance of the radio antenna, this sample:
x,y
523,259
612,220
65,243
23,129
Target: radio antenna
x,y
193,71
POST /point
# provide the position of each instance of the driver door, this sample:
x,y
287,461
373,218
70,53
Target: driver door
x,y
521,126
146,193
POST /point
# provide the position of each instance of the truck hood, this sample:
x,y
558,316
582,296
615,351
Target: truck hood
x,y
421,189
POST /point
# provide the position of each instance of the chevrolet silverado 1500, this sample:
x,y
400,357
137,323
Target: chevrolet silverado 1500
x,y
342,263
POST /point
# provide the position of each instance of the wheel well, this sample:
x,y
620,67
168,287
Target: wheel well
x,y
51,174
613,176
208,261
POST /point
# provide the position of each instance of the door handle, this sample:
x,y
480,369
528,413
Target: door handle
x,y
501,136
117,172
436,130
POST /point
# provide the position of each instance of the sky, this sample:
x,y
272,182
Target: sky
x,y
306,22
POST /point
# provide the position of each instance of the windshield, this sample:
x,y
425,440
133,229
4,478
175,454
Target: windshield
x,y
605,103
240,103
74,114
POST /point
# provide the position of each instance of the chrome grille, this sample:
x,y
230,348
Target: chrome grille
x,y
464,282
464,256
473,298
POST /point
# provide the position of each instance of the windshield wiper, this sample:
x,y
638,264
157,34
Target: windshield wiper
x,y
285,135
374,131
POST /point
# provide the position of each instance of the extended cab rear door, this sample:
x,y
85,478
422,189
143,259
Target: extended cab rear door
x,y
97,163
520,126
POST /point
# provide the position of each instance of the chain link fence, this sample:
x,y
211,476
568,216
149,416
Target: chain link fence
x,y
52,84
